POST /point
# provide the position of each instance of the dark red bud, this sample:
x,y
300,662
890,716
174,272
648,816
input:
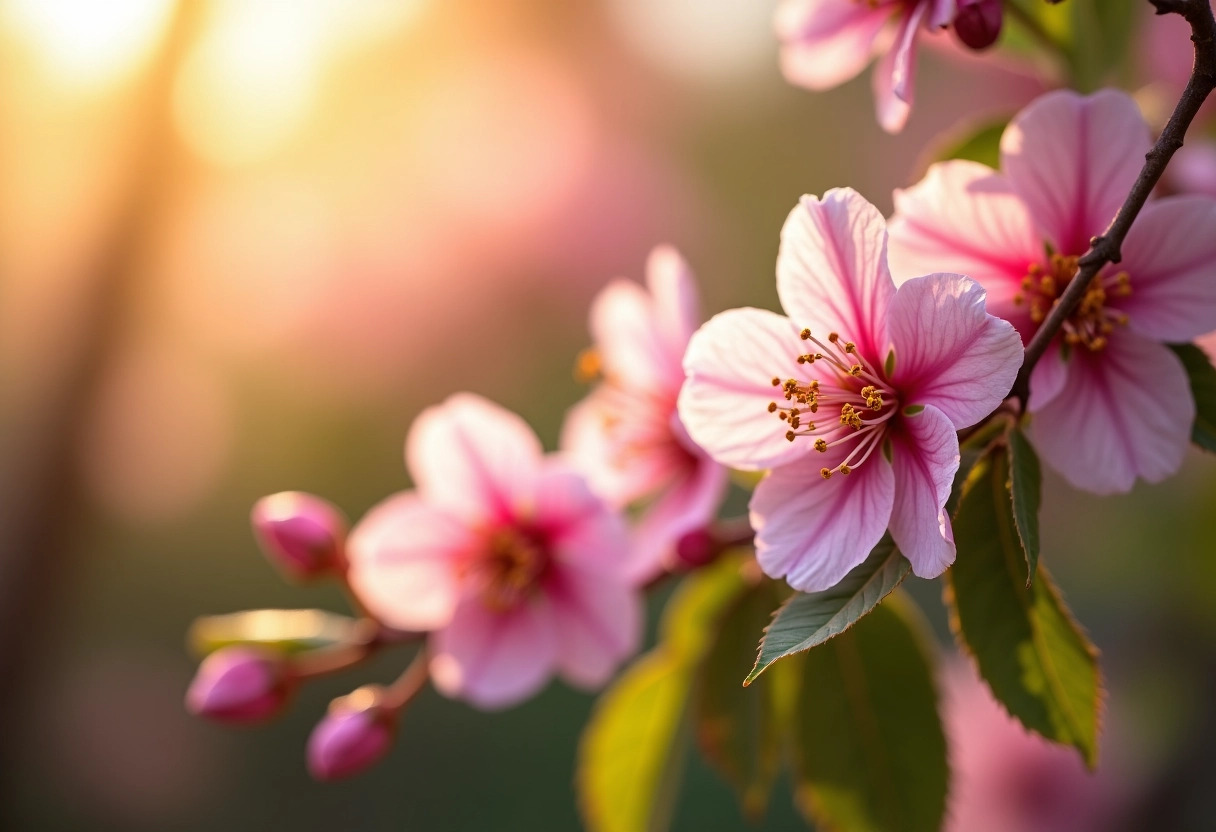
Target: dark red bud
x,y
977,23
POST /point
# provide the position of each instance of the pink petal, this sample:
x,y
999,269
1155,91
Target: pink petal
x,y
965,218
402,558
623,461
825,42
598,625
949,352
832,269
469,455
1048,378
1127,413
633,349
893,76
677,305
925,460
1073,159
689,504
1170,255
812,531
731,363
580,527
941,13
495,659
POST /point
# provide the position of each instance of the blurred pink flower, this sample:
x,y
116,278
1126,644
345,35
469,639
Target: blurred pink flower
x,y
241,683
1193,168
353,736
827,42
626,436
1006,779
1110,402
301,534
902,371
505,553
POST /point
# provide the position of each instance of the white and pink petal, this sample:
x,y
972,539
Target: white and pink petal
x,y
925,458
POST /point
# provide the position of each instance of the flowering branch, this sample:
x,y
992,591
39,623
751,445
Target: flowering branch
x,y
1106,248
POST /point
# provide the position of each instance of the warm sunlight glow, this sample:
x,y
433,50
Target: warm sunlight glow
x,y
254,76
84,43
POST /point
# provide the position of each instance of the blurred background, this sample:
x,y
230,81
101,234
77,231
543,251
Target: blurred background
x,y
244,242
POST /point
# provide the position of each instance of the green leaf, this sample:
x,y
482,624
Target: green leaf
x,y
870,753
1029,649
1026,492
290,631
632,751
740,729
810,619
1203,387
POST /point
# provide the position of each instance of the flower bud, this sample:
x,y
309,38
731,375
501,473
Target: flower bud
x,y
239,684
977,23
353,736
695,549
301,534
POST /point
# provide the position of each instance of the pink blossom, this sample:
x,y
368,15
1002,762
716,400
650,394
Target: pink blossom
x,y
827,42
871,384
1110,401
626,436
1006,779
504,553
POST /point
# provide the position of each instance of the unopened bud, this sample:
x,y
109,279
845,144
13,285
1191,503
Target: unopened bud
x,y
239,684
977,23
695,549
356,733
301,534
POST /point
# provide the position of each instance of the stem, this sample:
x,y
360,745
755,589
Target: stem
x,y
1106,248
370,638
410,683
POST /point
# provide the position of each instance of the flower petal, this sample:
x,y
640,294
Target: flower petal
x,y
677,305
894,74
688,504
598,625
470,456
632,348
1170,254
495,659
580,527
1048,378
949,352
926,458
625,452
825,42
730,363
1127,412
1073,158
812,531
402,558
832,269
965,218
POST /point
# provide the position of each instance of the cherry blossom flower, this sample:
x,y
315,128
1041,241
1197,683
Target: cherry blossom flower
x,y
626,436
827,42
504,553
1111,403
853,400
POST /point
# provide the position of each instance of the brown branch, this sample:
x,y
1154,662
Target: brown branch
x,y
1106,248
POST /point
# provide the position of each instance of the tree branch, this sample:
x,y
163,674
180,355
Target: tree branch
x,y
1106,248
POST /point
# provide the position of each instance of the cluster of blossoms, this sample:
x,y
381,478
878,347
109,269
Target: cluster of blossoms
x,y
512,566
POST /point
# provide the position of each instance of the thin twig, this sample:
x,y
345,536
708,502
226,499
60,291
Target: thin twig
x,y
1106,248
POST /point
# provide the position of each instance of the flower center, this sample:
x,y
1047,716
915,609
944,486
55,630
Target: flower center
x,y
1093,320
509,567
847,404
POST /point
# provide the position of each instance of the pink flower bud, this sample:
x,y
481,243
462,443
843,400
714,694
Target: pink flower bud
x,y
978,22
239,684
353,736
695,549
301,534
